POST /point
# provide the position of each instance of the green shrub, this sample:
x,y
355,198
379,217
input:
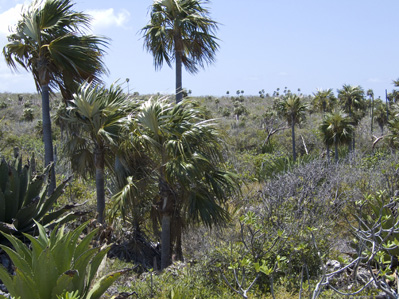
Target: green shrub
x,y
28,114
24,199
56,265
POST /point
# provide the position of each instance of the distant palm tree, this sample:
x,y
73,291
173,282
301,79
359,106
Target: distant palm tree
x,y
324,100
336,129
352,101
393,126
181,30
183,149
95,117
292,108
49,42
370,94
380,115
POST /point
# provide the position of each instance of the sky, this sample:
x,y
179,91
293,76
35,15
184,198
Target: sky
x,y
264,44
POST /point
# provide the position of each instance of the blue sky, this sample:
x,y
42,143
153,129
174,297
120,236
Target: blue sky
x,y
264,44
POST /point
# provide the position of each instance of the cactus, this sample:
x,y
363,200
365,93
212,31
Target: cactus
x,y
24,199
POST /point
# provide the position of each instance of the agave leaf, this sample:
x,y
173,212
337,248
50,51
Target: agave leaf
x,y
67,218
4,173
23,183
43,239
7,228
24,286
85,243
45,273
33,189
45,205
95,263
52,216
103,284
56,235
81,264
26,214
76,234
18,260
62,249
12,194
37,246
2,206
20,248
64,283
6,278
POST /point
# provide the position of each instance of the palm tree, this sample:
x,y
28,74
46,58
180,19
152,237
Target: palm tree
x,y
95,117
370,94
49,42
393,125
292,108
181,30
324,100
380,115
336,129
184,159
352,101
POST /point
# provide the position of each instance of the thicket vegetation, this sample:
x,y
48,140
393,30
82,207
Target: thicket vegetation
x,y
229,197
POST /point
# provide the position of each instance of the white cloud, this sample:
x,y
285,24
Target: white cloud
x,y
375,80
108,18
9,18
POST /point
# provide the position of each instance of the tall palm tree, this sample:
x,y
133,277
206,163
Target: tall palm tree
x,y
324,100
181,30
336,129
49,42
352,101
370,94
380,115
95,117
292,108
185,166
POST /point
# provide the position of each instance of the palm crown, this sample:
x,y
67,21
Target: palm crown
x,y
181,27
352,100
49,42
180,30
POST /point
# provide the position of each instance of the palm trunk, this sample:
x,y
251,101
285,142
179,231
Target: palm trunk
x,y
372,114
336,149
353,141
99,164
166,210
165,241
293,138
350,142
47,136
179,84
328,153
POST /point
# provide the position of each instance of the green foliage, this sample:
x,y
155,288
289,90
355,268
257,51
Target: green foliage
x,y
28,114
24,199
69,295
270,165
379,216
56,264
180,281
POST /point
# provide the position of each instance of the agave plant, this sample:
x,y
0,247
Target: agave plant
x,y
56,266
23,199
